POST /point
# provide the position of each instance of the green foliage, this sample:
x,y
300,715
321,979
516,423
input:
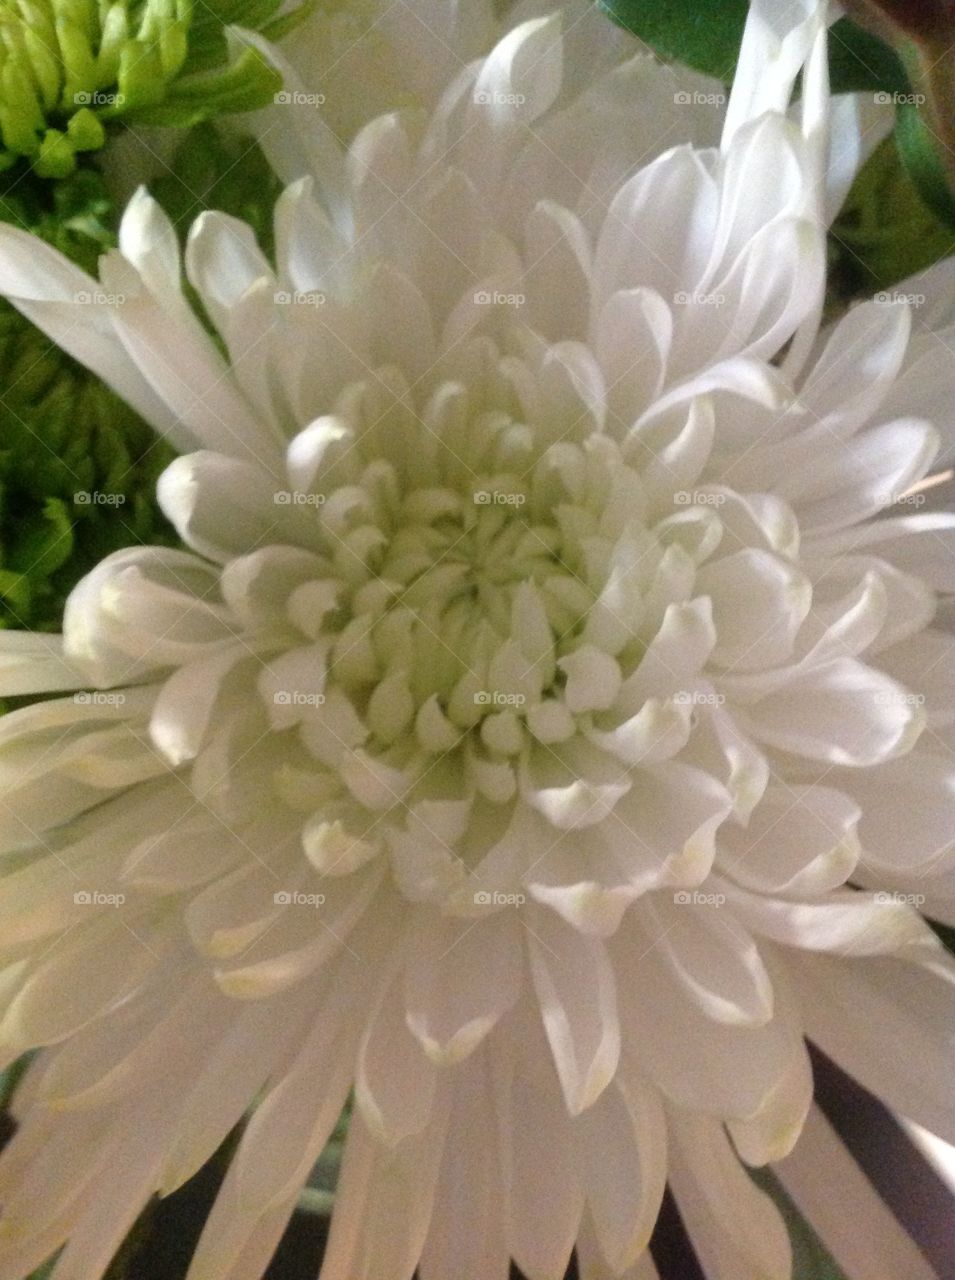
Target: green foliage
x,y
917,147
213,171
884,232
77,466
860,61
75,215
708,38
705,37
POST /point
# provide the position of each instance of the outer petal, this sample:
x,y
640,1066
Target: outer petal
x,y
575,987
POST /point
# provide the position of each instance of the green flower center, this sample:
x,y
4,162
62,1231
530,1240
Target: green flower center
x,y
68,68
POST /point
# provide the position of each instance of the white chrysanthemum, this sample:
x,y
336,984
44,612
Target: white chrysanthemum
x,y
548,721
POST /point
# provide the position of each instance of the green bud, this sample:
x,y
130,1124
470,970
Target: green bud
x,y
57,158
69,69
85,131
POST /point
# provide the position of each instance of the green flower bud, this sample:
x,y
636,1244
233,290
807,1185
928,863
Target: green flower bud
x,y
70,68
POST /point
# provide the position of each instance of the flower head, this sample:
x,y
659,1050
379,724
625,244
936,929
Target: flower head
x,y
515,737
69,68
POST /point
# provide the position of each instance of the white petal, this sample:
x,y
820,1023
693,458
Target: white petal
x,y
800,839
284,949
56,296
522,76
622,1149
674,657
395,1080
671,817
384,1203
575,987
173,353
540,1183
462,977
925,664
72,983
714,959
187,701
849,923
223,506
844,1209
921,545
759,603
223,261
877,1016
892,842
469,1160
291,1125
735,1228
850,481
704,1065
844,713
34,663
776,42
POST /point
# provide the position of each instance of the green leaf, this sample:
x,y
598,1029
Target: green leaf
x,y
10,1077
16,592
45,1271
44,540
247,84
708,38
916,145
705,37
811,1259
859,61
884,232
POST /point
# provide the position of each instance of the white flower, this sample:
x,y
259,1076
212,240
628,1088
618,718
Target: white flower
x,y
548,721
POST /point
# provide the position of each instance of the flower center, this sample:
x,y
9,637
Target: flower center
x,y
468,609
